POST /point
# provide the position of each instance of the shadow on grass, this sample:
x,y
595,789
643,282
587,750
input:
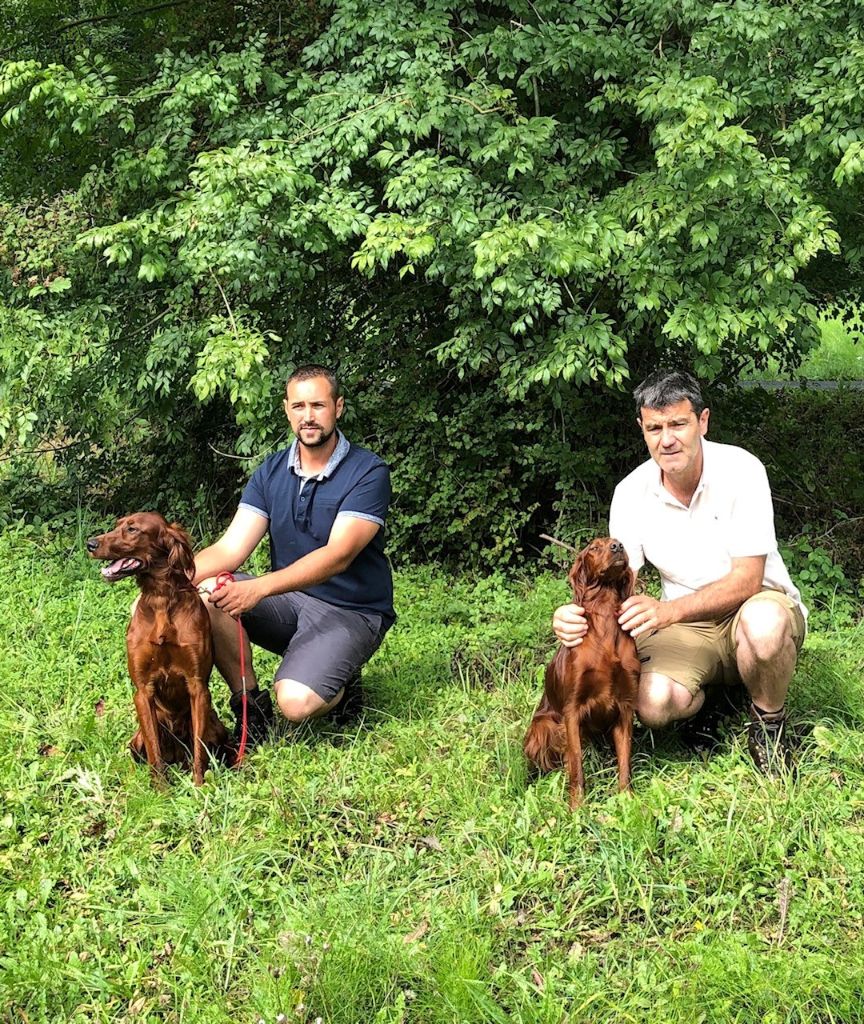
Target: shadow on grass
x,y
490,696
829,683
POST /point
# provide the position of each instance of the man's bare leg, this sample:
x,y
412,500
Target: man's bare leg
x,y
227,639
662,700
766,657
766,653
226,650
298,703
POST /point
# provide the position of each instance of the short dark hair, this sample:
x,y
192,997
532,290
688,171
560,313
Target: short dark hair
x,y
311,370
665,387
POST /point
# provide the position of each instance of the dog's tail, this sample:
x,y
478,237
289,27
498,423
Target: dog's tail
x,y
545,741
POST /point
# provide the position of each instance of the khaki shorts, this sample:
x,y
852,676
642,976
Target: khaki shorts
x,y
700,654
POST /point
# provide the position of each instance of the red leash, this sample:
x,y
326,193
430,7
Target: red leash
x,y
221,580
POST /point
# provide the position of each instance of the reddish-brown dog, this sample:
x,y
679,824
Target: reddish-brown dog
x,y
590,689
169,647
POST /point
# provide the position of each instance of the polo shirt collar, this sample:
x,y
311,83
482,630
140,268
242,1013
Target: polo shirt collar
x,y
339,453
707,462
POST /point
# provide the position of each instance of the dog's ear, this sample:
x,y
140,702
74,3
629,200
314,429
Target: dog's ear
x,y
580,575
627,585
179,548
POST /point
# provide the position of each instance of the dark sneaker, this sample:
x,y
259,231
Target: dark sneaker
x,y
766,740
351,706
701,733
259,716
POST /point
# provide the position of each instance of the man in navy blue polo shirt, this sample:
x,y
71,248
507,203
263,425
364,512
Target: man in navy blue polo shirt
x,y
328,600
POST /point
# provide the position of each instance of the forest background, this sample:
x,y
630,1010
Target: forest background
x,y
493,218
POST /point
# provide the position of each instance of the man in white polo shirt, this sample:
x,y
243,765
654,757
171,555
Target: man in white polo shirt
x,y
701,513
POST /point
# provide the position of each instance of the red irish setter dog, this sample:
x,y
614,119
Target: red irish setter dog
x,y
590,689
169,647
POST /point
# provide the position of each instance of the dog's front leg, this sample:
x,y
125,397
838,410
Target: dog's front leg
x,y
622,738
574,755
199,699
146,710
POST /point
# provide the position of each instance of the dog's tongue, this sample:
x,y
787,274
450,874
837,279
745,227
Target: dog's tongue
x,y
122,565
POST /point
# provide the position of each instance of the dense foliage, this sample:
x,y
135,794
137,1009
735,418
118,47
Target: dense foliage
x,y
488,215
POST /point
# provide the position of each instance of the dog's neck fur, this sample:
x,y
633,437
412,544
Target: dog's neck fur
x,y
162,584
601,608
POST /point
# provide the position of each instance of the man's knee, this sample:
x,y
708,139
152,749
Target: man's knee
x,y
763,629
661,700
296,701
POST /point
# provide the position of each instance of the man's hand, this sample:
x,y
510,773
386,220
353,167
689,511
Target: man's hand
x,y
238,597
570,624
641,613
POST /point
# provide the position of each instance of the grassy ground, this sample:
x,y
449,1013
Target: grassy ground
x,y
401,869
839,356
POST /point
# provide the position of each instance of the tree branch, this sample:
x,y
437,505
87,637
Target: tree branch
x,y
227,304
121,14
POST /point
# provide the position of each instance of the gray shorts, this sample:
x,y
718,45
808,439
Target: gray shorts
x,y
322,645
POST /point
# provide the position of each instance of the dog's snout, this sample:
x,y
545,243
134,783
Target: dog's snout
x,y
616,547
92,544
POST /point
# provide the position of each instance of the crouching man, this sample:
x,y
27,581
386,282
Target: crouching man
x,y
701,514
328,600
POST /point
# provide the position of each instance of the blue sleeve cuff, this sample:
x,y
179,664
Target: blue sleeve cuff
x,y
360,515
255,509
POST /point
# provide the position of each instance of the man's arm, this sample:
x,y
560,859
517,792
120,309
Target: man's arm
x,y
348,537
642,613
236,544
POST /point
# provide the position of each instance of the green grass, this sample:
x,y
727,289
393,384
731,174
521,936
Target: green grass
x,y
401,869
839,356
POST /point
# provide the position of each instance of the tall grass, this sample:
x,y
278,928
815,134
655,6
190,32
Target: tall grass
x,y
839,355
401,870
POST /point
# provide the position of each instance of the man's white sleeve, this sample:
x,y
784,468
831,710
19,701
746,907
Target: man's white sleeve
x,y
752,523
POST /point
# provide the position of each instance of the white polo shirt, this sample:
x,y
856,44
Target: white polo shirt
x,y
731,515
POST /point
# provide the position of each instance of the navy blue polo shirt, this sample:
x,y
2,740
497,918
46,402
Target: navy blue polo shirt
x,y
301,512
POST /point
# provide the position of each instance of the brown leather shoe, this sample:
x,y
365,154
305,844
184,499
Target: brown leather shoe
x,y
766,740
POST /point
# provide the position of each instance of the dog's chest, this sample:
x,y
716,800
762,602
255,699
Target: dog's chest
x,y
166,638
167,651
164,654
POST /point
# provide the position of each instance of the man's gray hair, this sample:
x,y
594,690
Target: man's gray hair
x,y
665,387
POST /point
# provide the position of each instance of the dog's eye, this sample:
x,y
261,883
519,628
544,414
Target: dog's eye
x,y
131,529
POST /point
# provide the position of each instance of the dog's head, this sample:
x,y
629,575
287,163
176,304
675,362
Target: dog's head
x,y
141,543
603,563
